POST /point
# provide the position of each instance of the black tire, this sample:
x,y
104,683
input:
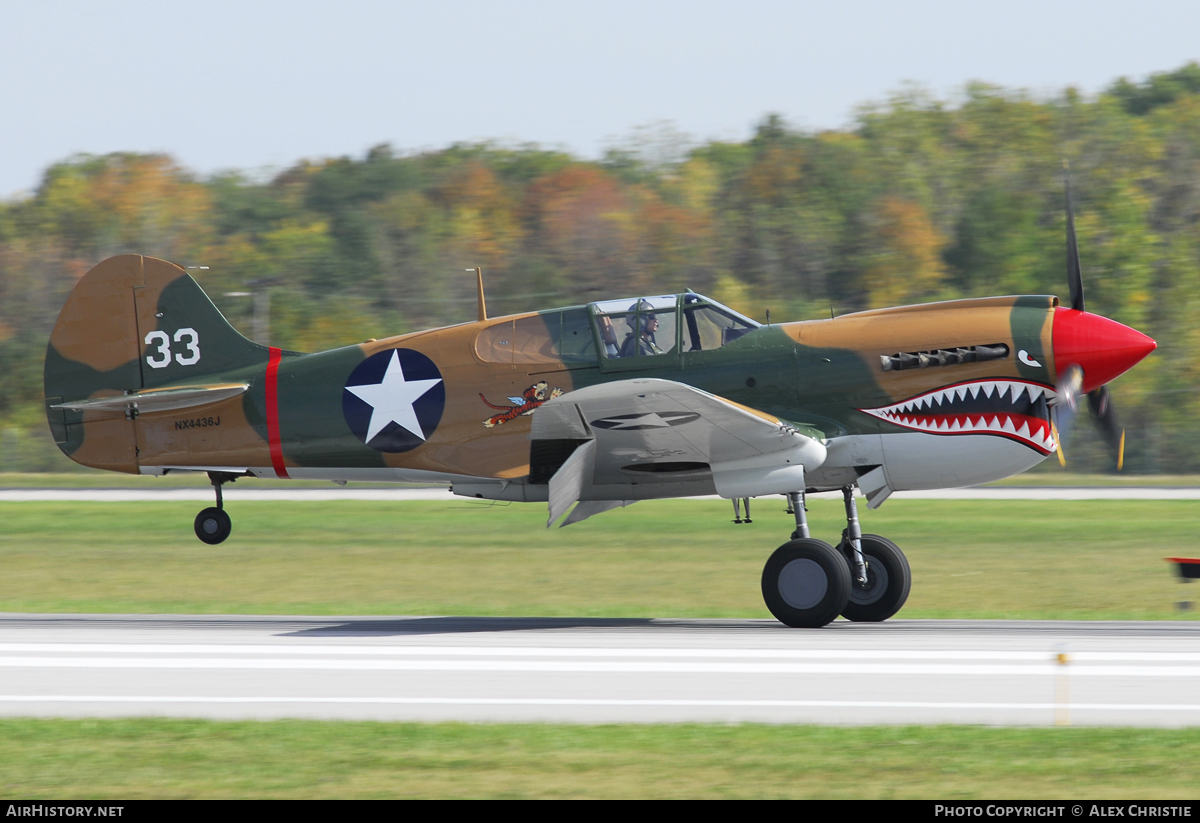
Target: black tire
x,y
213,526
806,583
888,581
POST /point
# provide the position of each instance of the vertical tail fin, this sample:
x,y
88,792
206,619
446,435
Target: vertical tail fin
x,y
132,323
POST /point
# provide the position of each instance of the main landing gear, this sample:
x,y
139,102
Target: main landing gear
x,y
807,582
213,524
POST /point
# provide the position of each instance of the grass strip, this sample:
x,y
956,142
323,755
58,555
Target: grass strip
x,y
164,758
989,559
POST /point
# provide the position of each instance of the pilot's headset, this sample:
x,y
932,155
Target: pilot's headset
x,y
647,311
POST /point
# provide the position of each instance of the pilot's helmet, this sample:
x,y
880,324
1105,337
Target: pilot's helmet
x,y
647,314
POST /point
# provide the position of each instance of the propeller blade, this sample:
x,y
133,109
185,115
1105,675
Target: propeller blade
x,y
1111,430
1066,406
1062,458
1074,274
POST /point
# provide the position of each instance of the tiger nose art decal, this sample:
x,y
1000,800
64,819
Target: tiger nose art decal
x,y
393,400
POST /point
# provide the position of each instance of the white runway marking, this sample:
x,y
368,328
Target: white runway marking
x,y
561,651
599,671
309,664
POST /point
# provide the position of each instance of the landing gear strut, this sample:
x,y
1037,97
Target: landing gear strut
x,y
807,583
737,510
213,524
797,507
857,564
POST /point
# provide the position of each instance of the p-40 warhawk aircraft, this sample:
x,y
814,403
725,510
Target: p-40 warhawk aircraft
x,y
597,407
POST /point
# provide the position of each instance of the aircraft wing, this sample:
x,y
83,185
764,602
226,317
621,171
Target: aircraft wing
x,y
664,437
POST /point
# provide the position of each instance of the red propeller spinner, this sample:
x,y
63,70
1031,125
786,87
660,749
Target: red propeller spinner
x,y
1103,348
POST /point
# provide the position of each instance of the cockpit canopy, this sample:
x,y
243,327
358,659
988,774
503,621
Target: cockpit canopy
x,y
649,326
613,330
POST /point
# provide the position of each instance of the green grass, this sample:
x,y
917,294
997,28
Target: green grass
x,y
991,559
129,759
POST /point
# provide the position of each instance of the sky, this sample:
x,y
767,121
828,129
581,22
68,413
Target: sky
x,y
260,85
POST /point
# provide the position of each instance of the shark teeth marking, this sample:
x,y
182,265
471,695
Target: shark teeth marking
x,y
1014,409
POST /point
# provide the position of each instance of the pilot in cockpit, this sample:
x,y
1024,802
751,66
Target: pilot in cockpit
x,y
640,340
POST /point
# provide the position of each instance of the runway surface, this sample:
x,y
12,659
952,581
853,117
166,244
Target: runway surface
x,y
391,494
600,670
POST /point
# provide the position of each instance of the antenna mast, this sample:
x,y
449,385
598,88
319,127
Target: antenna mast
x,y
479,285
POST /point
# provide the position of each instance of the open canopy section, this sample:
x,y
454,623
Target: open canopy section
x,y
662,324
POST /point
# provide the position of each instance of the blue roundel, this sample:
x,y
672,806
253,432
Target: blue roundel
x,y
394,400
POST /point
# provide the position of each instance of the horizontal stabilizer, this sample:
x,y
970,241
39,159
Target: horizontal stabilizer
x,y
157,400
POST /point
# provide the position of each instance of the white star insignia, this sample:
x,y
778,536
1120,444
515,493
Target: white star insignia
x,y
392,399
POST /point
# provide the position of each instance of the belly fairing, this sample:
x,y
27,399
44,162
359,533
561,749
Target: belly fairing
x,y
914,460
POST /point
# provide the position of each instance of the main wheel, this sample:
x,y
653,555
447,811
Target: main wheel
x,y
888,581
213,525
806,583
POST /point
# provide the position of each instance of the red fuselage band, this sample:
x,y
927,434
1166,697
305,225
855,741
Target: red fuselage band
x,y
273,413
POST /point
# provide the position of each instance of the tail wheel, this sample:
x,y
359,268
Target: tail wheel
x,y
806,583
213,525
888,582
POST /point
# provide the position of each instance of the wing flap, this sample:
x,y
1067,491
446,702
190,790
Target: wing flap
x,y
566,486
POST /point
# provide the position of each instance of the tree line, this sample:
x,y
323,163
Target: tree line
x,y
918,199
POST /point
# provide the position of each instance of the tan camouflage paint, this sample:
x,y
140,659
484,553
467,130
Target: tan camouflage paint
x,y
233,443
885,332
94,326
461,441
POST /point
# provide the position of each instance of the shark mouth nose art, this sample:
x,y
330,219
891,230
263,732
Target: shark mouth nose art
x,y
1015,409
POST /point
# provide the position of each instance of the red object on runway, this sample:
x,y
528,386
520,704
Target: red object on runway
x,y
1188,567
